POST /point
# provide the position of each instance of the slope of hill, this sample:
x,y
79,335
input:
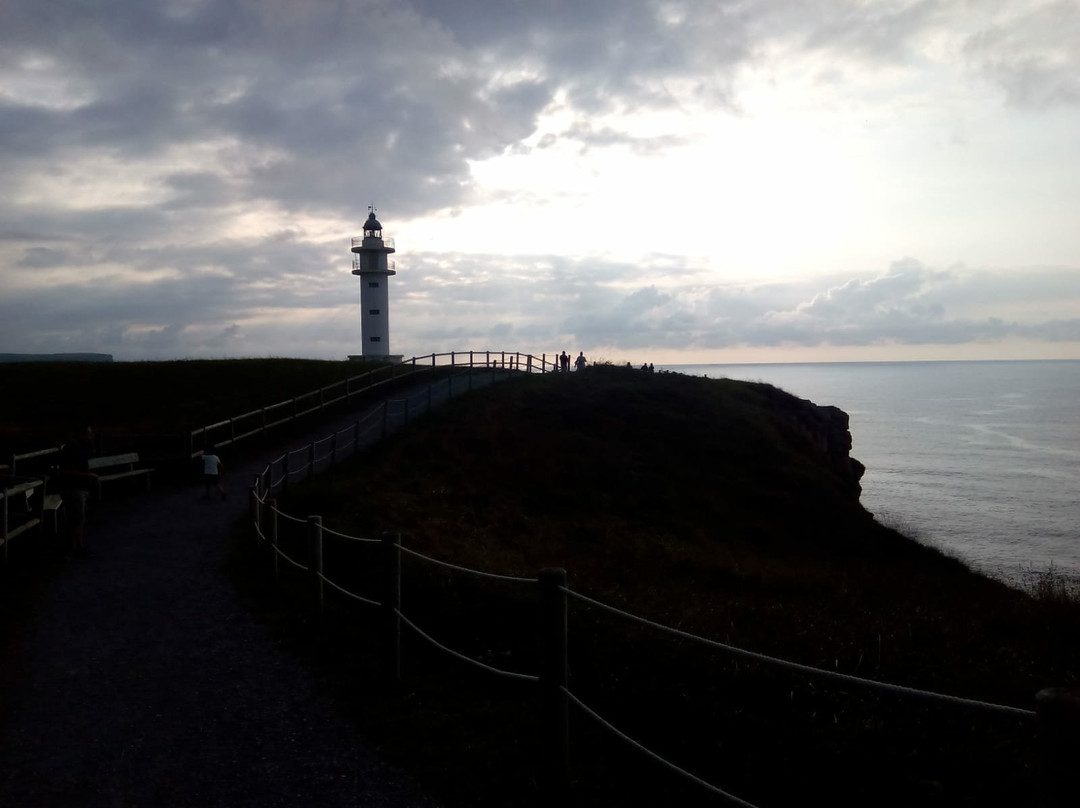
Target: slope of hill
x,y
727,509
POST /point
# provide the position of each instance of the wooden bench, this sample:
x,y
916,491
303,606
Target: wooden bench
x,y
51,506
118,467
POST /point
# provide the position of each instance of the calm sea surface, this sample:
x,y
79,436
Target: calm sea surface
x,y
979,458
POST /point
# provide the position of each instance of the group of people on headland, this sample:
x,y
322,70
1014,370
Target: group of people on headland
x,y
579,364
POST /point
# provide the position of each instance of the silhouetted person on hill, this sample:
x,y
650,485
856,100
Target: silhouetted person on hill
x,y
580,362
76,484
212,469
564,362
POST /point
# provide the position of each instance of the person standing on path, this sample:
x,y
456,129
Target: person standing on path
x,y
76,483
212,469
580,362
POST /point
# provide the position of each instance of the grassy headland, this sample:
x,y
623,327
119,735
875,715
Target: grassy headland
x,y
708,505
40,401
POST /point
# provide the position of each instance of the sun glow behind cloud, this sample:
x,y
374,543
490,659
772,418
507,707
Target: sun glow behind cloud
x,y
638,176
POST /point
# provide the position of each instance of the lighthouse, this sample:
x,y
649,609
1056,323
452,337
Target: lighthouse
x,y
371,264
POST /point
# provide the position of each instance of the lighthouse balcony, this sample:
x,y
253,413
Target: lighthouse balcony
x,y
373,242
357,266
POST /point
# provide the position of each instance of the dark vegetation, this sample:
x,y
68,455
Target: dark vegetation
x,y
702,504
40,401
705,505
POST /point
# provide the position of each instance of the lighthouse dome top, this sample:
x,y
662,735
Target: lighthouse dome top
x,y
372,223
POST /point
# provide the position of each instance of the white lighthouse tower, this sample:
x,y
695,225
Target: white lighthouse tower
x,y
371,264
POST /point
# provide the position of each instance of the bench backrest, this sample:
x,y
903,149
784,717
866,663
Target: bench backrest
x,y
113,460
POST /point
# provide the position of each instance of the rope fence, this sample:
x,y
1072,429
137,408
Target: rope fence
x,y
552,677
821,673
524,677
477,573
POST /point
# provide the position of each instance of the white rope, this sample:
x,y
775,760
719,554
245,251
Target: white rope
x,y
456,568
346,592
663,761
295,563
483,665
288,518
328,531
858,681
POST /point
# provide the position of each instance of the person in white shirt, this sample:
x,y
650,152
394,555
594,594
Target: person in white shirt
x,y
212,468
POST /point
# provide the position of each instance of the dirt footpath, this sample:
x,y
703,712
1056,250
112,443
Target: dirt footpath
x,y
138,678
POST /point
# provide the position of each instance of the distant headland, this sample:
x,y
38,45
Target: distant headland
x,y
56,357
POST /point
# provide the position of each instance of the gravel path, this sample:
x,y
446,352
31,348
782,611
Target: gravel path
x,y
139,679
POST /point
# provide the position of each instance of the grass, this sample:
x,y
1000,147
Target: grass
x,y
709,505
148,397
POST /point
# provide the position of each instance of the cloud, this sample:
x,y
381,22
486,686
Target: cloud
x,y
180,177
1032,55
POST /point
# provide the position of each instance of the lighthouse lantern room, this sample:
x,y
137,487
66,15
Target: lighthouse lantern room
x,y
371,264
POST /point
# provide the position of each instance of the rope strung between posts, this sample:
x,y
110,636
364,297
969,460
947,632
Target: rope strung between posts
x,y
525,677
328,531
346,592
456,568
650,753
281,554
288,518
845,678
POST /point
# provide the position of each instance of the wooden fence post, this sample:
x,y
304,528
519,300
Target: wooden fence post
x,y
314,530
555,743
4,527
1058,711
391,605
253,508
272,506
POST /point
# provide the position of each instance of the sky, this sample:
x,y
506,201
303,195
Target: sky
x,y
725,181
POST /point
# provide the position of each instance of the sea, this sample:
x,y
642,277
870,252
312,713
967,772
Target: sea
x,y
979,459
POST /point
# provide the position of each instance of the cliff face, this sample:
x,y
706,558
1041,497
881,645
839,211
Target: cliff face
x,y
828,430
